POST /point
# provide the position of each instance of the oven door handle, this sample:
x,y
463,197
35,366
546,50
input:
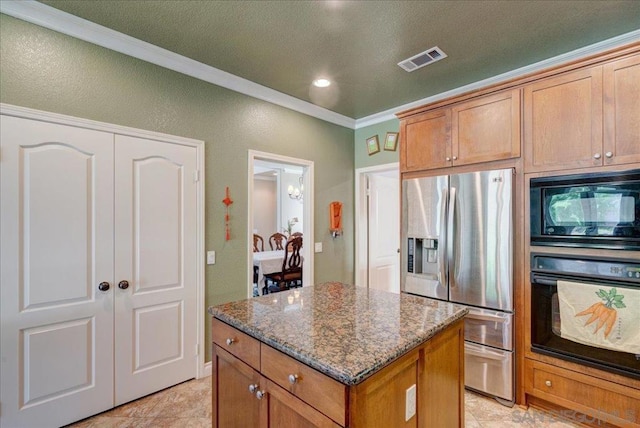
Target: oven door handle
x,y
544,280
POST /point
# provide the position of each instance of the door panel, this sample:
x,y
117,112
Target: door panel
x,y
155,242
58,358
157,188
156,338
488,327
384,228
56,222
424,210
489,370
480,265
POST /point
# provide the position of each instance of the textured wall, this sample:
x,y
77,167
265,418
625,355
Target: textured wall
x,y
362,158
45,70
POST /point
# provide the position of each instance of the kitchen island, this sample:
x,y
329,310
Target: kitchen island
x,y
338,355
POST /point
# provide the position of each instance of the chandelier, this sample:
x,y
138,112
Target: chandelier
x,y
296,192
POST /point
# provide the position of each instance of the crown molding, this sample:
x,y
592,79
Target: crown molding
x,y
577,54
71,25
62,22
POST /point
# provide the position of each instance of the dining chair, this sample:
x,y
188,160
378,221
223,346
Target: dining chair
x,y
291,274
276,241
258,243
293,235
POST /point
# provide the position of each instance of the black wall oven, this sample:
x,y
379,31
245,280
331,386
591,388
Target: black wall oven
x,y
547,333
597,210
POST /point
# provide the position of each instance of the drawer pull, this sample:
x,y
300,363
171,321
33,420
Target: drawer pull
x,y
547,382
230,341
597,156
260,395
609,155
293,379
253,388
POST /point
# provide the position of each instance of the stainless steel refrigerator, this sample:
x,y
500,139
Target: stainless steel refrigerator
x,y
457,234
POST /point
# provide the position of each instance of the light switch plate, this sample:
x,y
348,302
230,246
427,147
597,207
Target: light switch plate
x,y
211,257
318,247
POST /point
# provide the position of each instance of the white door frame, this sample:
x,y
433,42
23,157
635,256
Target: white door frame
x,y
17,111
362,221
307,216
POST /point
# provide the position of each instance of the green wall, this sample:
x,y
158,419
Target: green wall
x,y
362,158
49,71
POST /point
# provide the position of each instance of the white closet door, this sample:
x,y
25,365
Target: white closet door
x,y
56,223
155,252
384,231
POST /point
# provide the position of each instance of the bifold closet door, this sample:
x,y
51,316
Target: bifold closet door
x,y
155,253
56,223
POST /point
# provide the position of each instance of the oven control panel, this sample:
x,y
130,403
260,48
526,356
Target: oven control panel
x,y
614,269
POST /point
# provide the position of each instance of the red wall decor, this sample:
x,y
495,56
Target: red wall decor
x,y
227,228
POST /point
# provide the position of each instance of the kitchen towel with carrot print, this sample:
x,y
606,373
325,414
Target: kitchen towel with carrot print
x,y
600,315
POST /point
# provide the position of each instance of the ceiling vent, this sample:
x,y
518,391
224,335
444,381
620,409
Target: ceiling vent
x,y
424,58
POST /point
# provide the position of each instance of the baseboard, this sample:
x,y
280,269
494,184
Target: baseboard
x,y
207,369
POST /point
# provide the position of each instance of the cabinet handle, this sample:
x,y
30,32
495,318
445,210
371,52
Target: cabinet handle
x,y
123,285
609,155
103,286
253,388
597,156
547,382
293,379
455,158
230,341
448,159
260,395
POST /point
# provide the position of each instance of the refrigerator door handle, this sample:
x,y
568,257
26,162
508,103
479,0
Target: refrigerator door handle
x,y
442,251
450,232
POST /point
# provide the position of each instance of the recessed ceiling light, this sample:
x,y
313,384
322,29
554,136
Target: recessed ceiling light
x,y
321,83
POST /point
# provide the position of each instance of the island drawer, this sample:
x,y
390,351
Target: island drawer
x,y
236,342
318,390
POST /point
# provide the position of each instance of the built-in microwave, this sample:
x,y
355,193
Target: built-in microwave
x,y
598,210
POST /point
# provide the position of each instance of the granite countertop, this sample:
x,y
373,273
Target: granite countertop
x,y
343,331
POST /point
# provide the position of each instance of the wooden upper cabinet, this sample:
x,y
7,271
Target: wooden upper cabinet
x,y
486,129
621,85
480,130
426,141
563,121
586,118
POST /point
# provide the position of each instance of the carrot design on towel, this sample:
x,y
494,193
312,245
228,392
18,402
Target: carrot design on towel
x,y
604,313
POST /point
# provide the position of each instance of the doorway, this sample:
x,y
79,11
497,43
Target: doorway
x,y
290,180
378,227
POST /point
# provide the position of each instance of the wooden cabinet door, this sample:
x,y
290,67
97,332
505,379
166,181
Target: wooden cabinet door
x,y
486,129
563,121
441,380
233,404
426,141
622,111
285,410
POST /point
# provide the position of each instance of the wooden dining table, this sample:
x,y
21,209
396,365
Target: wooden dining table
x,y
267,262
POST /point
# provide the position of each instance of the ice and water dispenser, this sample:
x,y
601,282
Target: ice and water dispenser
x,y
422,256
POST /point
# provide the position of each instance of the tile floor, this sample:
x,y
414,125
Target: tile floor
x,y
188,405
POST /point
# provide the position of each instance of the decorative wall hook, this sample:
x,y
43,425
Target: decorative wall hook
x,y
227,228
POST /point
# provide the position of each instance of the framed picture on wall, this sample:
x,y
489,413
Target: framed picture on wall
x,y
391,141
372,145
